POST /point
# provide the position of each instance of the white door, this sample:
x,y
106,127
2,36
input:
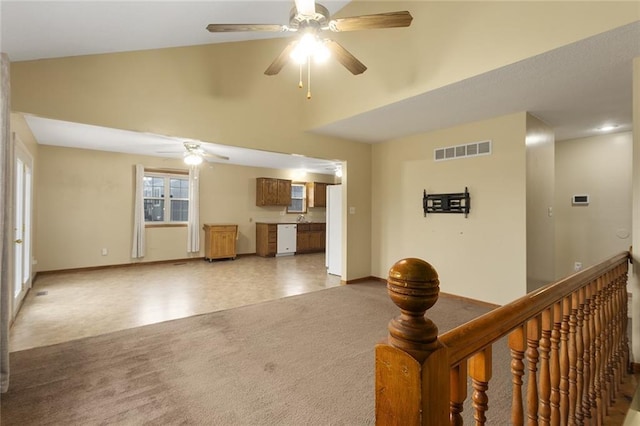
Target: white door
x,y
22,224
334,230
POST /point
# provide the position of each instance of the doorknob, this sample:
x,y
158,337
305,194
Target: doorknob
x,y
18,241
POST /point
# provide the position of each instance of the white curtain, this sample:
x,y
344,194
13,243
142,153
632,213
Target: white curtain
x,y
6,185
137,250
193,226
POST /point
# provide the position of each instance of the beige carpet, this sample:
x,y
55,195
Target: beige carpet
x,y
302,360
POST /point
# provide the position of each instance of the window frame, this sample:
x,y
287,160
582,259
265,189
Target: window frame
x,y
303,198
166,175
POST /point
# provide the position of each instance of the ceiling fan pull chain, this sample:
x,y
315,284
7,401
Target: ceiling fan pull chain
x,y
308,77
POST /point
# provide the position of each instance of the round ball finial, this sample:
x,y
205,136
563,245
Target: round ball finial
x,y
413,286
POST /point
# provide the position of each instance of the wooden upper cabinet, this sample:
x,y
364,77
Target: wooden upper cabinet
x,y
273,192
284,192
317,194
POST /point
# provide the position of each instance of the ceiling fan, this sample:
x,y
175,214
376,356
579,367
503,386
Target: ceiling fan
x,y
310,19
194,153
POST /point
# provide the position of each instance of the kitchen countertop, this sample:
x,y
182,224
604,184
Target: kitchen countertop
x,y
286,223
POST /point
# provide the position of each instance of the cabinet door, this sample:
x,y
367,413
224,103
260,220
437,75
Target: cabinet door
x,y
320,194
317,237
317,194
284,192
224,244
302,241
266,192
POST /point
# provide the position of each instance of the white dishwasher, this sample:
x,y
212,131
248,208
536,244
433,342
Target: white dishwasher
x,y
287,235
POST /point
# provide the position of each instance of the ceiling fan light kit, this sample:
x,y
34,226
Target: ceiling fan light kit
x,y
310,19
192,159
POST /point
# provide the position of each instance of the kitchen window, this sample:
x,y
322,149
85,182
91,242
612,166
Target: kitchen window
x,y
166,198
298,198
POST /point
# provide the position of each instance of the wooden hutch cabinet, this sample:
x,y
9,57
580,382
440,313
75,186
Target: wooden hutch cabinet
x,y
273,192
220,241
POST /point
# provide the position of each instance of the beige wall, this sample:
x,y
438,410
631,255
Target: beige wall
x,y
601,167
212,93
540,189
218,93
449,41
482,256
85,203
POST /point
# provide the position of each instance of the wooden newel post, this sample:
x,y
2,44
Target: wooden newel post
x,y
412,369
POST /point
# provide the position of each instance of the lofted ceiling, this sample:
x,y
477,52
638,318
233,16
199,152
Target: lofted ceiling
x,y
575,89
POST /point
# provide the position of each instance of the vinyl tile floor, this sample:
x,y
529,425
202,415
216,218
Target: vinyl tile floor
x,y
64,306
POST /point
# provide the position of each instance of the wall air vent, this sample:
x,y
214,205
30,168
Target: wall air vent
x,y
473,149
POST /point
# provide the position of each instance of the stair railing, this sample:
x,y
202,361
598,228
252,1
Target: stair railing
x,y
568,343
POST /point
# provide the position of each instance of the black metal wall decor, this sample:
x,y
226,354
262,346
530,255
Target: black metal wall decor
x,y
447,203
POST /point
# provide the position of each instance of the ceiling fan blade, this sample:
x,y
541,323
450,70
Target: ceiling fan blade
x,y
221,157
369,22
228,28
343,56
306,7
281,60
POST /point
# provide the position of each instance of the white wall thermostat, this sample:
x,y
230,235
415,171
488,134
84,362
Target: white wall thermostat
x,y
580,200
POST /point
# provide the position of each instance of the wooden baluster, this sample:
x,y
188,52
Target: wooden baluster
x,y
588,397
458,379
533,337
573,360
609,335
564,361
621,321
617,327
544,408
578,299
624,322
517,344
555,364
480,373
412,369
597,383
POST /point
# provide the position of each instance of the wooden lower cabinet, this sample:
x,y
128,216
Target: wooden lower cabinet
x,y
310,237
266,239
220,241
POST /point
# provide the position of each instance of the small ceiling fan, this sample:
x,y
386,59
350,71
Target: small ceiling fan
x,y
310,19
194,153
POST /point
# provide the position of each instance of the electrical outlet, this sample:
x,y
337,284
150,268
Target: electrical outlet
x,y
577,266
105,252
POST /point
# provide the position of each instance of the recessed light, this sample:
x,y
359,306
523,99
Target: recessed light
x,y
607,127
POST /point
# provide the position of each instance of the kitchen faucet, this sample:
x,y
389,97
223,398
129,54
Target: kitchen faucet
x,y
301,218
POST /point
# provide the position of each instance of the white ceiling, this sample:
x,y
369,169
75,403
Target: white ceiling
x,y
75,135
575,89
